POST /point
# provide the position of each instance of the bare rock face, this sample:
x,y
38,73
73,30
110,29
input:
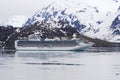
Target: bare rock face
x,y
5,32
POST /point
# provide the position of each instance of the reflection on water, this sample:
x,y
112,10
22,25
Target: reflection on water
x,y
104,49
53,64
46,57
60,65
7,53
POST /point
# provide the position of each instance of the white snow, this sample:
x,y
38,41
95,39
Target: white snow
x,y
70,7
119,17
88,12
104,32
15,21
104,5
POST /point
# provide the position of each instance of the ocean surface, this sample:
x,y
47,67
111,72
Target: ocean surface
x,y
92,64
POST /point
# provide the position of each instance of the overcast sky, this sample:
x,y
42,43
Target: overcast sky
x,y
29,7
20,7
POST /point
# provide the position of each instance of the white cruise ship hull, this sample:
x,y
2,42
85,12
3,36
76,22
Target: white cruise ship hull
x,y
81,46
76,48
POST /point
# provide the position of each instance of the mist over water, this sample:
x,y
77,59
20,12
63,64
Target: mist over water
x,y
60,65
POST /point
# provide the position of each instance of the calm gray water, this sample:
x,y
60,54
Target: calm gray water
x,y
60,65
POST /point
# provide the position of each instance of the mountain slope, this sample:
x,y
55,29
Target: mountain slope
x,y
72,13
88,20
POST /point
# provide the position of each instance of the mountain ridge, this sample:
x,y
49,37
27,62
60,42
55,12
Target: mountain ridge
x,y
95,23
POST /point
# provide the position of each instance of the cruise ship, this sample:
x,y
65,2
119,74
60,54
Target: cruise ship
x,y
64,45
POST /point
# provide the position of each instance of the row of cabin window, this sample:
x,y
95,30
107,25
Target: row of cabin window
x,y
48,45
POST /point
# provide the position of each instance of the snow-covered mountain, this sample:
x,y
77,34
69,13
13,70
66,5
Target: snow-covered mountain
x,y
68,11
77,14
15,21
87,17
